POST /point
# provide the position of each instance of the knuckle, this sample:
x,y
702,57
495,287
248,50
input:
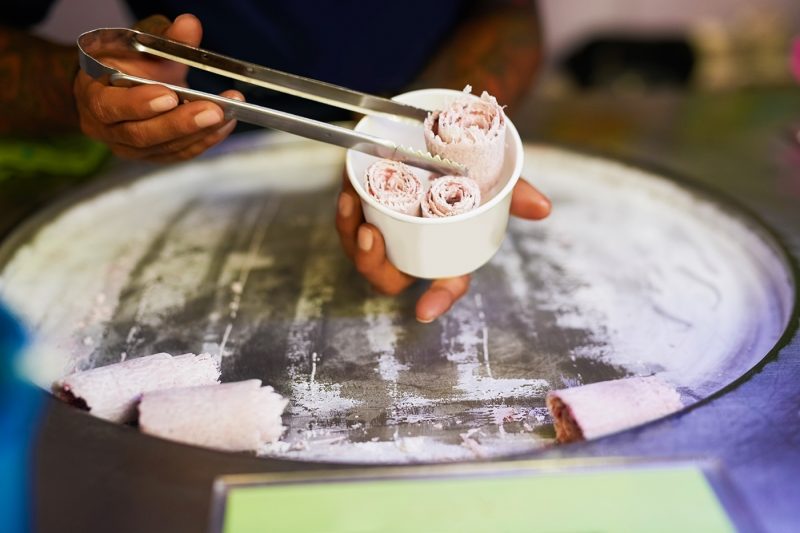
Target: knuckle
x,y
341,227
363,266
392,290
156,24
136,135
195,150
167,148
387,290
210,140
190,152
99,110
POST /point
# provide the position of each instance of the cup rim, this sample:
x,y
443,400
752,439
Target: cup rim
x,y
483,208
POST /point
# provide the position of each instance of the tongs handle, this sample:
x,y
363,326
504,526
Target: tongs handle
x,y
304,127
310,89
123,40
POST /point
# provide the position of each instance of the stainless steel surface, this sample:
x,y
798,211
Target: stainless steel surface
x,y
98,45
95,476
237,256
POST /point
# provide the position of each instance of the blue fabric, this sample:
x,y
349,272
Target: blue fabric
x,y
375,47
20,407
367,45
371,46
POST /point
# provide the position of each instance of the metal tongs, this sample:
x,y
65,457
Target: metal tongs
x,y
123,42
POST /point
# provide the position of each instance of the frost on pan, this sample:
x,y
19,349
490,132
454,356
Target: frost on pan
x,y
560,304
471,131
449,196
239,416
597,409
111,392
395,186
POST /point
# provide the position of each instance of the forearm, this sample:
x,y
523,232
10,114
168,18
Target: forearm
x,y
496,49
36,95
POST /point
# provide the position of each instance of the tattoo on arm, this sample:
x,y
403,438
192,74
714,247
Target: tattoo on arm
x,y
36,95
495,49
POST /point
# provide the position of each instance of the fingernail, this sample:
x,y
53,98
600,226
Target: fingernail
x,y
227,128
345,205
207,118
365,239
163,103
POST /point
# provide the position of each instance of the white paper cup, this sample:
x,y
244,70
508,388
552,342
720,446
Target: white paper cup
x,y
435,248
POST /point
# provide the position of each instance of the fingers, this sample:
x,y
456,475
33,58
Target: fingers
x,y
186,147
178,123
528,202
185,29
371,261
348,217
183,148
178,134
155,24
440,297
148,121
109,105
179,150
364,244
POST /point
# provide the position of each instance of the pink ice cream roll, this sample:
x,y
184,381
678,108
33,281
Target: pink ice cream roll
x,y
470,131
795,59
111,392
395,186
597,409
449,196
240,416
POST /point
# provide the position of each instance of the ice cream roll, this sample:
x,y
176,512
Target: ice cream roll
x,y
238,416
395,186
433,247
597,409
448,196
111,391
471,131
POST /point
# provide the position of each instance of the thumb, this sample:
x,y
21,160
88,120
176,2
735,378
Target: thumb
x,y
155,24
185,29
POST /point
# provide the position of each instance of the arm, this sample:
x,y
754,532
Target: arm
x,y
36,93
495,49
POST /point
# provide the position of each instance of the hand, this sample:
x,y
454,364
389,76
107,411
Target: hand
x,y
364,245
146,121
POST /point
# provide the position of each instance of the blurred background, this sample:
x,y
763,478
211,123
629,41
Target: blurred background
x,y
622,44
713,44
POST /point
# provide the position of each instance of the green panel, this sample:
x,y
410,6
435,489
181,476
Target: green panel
x,y
648,499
